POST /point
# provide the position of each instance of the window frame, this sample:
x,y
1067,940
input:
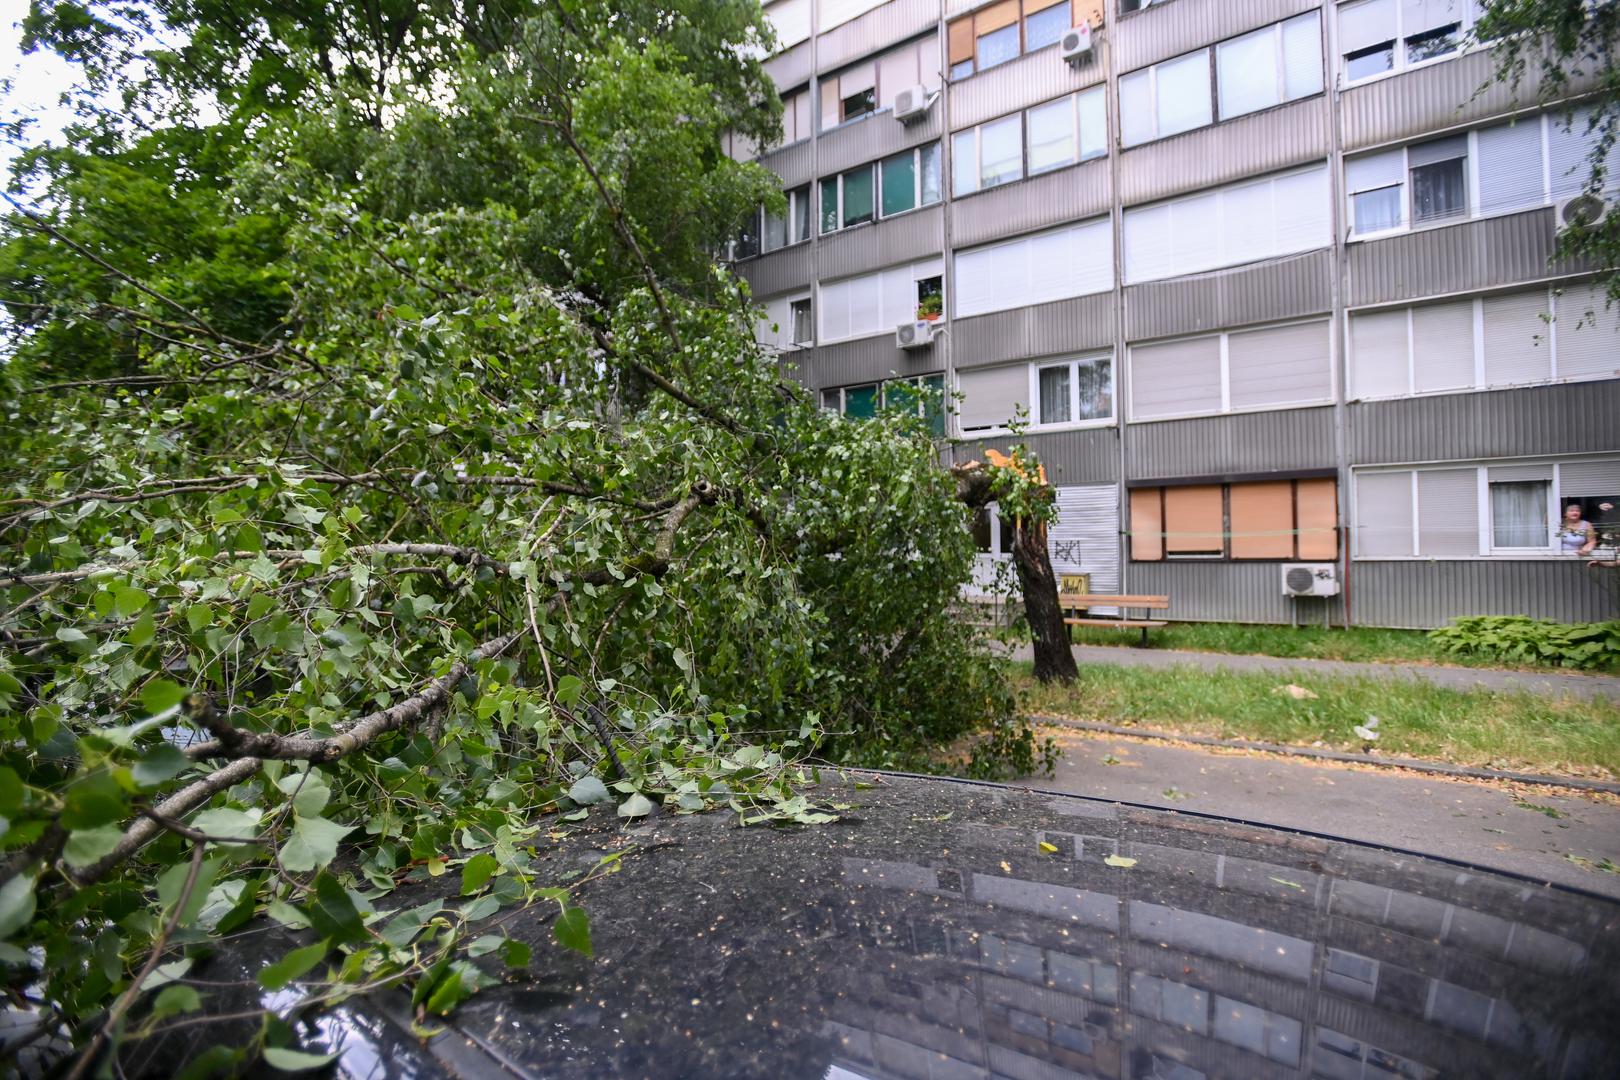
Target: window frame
x,y
1077,143
920,383
1487,549
809,302
1225,554
1020,22
795,197
876,168
1033,375
1400,41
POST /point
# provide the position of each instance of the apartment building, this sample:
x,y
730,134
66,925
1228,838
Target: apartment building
x,y
1266,281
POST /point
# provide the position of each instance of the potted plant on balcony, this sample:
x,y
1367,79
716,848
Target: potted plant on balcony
x,y
931,309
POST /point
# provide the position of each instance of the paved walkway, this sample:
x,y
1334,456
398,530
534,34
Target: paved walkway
x,y
1484,824
1457,678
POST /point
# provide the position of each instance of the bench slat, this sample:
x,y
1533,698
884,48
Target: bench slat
x,y
1131,624
1099,600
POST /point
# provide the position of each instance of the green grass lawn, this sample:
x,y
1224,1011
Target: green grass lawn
x,y
1310,642
1473,727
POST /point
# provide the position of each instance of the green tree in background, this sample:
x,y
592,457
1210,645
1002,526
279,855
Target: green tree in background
x,y
386,464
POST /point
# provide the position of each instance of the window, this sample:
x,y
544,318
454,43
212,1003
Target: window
x,y
1289,519
1229,226
1075,260
1505,509
1508,339
795,118
1281,62
872,303
1376,36
894,185
992,533
746,244
791,21
1269,368
920,396
799,317
1061,132
792,225
1439,190
1063,392
1001,32
872,85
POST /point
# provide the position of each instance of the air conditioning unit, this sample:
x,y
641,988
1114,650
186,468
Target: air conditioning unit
x,y
1076,44
1581,210
1310,579
914,335
911,103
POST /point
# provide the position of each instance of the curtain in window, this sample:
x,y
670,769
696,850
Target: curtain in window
x,y
1001,151
899,183
1093,123
1055,395
930,173
964,163
1519,514
998,47
1094,379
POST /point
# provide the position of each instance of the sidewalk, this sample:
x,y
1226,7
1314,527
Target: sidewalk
x,y
1471,822
1455,678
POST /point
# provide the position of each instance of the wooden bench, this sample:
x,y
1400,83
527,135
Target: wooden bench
x,y
1070,601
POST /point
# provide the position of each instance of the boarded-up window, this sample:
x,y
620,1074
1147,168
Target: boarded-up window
x,y
1147,523
1263,520
1193,520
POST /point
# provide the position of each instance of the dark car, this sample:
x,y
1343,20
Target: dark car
x,y
952,930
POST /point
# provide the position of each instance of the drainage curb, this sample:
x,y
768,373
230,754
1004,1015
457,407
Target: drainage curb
x,y
1466,772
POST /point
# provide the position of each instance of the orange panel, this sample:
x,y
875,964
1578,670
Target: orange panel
x,y
1091,11
961,40
1263,520
1193,521
995,17
1318,502
1032,6
1147,524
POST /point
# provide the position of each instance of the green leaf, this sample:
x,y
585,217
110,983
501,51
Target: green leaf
x,y
461,982
279,1057
227,824
476,874
85,846
160,694
481,908
516,953
313,844
637,805
175,999
332,912
573,930
129,601
172,882
94,800
159,765
588,791
16,904
683,661
403,928
164,974
294,965
309,792
569,687
69,636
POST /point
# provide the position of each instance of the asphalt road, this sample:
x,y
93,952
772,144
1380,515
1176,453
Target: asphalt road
x,y
1486,824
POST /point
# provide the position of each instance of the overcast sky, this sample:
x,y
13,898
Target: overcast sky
x,y
37,81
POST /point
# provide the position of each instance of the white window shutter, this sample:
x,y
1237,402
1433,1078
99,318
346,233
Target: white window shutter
x,y
1092,257
1280,365
864,298
1148,249
1443,346
990,396
1374,171
1302,56
1589,479
1510,166
1248,227
1383,514
1093,106
1247,72
1418,16
1448,511
1136,108
975,282
1366,23
1301,211
899,292
1588,333
833,311
1049,257
1518,347
1195,233
1378,354
1176,378
1183,100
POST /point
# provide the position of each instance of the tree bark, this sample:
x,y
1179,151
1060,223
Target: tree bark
x,y
1049,634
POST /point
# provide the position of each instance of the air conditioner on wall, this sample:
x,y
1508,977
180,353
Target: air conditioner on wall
x,y
1076,44
1310,579
914,335
911,103
1582,209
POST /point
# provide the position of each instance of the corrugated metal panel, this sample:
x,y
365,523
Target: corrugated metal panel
x,y
1278,289
1088,456
877,29
1248,146
1085,537
1020,83
1457,258
1227,592
1438,96
1571,418
1222,445
866,360
1170,29
791,68
884,243
778,272
876,136
1049,199
1079,324
790,163
1424,594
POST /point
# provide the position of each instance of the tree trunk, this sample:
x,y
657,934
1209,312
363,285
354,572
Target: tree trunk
x,y
1054,659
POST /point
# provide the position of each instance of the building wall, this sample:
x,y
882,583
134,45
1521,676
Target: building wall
x,y
1475,256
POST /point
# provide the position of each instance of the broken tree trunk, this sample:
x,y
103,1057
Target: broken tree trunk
x,y
1054,659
